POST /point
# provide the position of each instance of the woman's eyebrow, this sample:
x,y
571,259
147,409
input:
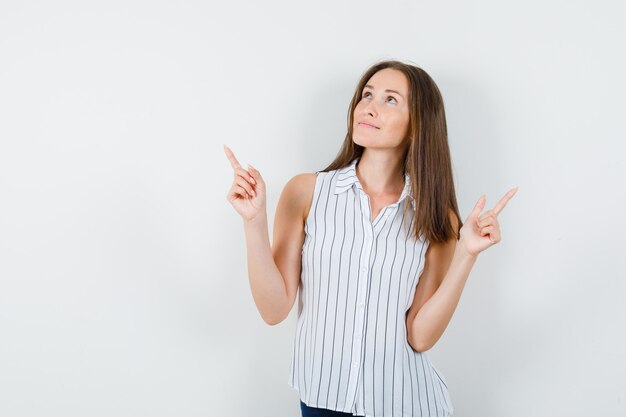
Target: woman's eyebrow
x,y
387,91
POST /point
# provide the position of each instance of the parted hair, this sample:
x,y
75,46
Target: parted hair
x,y
427,158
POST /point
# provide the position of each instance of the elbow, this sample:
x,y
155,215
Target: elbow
x,y
273,320
276,316
419,345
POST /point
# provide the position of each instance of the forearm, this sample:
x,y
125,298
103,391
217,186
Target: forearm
x,y
266,281
433,317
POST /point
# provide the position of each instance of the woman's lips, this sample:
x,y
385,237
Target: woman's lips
x,y
367,125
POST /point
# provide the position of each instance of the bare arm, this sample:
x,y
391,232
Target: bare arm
x,y
426,325
435,303
438,292
266,282
274,272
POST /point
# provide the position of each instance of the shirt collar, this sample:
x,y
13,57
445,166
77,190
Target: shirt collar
x,y
346,178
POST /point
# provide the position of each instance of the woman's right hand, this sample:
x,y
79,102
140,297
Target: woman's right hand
x,y
247,194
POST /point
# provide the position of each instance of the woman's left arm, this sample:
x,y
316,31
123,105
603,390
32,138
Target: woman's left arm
x,y
479,232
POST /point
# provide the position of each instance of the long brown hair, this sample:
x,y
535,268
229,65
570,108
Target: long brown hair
x,y
427,159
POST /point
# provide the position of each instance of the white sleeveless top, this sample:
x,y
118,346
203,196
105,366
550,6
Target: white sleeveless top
x,y
350,351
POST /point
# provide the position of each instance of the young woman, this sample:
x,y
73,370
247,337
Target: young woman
x,y
376,246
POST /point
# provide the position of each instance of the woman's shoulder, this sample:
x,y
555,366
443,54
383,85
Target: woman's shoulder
x,y
302,187
303,181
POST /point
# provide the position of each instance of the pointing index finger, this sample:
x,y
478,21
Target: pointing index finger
x,y
231,157
502,203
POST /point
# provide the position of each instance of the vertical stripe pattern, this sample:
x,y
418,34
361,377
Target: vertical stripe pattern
x,y
358,279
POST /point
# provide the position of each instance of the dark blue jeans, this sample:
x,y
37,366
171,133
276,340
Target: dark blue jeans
x,y
321,412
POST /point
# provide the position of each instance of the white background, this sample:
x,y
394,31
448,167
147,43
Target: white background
x,y
123,275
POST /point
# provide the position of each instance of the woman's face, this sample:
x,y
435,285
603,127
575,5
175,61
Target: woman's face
x,y
381,117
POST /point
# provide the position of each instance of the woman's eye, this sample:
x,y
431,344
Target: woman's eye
x,y
369,94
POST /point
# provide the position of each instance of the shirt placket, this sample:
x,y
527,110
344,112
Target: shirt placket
x,y
370,233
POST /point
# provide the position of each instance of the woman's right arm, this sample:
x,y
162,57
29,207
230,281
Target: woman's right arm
x,y
274,271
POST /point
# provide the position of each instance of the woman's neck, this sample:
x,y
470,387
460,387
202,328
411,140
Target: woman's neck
x,y
380,176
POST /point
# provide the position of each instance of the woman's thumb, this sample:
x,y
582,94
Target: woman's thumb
x,y
480,204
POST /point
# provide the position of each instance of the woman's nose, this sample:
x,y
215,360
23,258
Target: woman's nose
x,y
370,108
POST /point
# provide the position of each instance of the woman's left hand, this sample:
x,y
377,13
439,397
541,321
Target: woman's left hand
x,y
482,231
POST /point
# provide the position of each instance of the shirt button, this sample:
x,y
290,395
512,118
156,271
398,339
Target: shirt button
x,y
363,269
361,305
355,365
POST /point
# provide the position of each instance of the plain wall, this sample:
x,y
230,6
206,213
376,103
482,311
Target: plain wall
x,y
123,275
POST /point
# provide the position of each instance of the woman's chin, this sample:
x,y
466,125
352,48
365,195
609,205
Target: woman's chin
x,y
364,140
